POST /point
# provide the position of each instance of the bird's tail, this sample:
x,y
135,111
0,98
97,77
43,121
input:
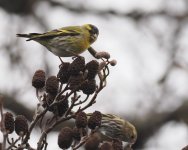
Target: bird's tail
x,y
30,36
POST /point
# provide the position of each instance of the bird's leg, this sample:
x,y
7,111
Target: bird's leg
x,y
60,59
61,62
92,51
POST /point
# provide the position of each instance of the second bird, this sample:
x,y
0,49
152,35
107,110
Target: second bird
x,y
66,41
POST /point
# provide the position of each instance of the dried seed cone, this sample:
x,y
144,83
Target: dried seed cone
x,y
113,62
76,134
52,85
84,132
65,138
38,80
117,144
63,73
62,107
77,66
106,146
9,122
81,120
93,142
95,120
103,54
92,67
48,100
75,81
185,148
21,125
88,87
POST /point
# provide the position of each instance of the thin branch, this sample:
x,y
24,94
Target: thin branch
x,y
14,143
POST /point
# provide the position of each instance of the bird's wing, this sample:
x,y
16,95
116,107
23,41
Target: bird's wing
x,y
110,116
65,31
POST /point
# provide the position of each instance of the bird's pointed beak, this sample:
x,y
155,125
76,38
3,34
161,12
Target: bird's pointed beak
x,y
95,35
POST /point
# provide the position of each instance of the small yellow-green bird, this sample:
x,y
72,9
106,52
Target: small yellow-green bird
x,y
66,41
115,127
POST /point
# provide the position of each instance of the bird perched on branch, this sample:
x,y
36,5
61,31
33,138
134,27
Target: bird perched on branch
x,y
115,127
66,41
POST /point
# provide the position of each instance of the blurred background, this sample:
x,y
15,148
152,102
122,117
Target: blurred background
x,y
148,38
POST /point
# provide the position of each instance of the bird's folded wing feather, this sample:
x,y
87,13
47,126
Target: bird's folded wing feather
x,y
54,33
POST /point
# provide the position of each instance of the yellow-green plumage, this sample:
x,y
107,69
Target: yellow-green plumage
x,y
66,41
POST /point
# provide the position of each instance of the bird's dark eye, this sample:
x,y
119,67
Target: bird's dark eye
x,y
94,30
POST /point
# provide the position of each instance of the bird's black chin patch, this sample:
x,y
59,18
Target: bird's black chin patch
x,y
92,39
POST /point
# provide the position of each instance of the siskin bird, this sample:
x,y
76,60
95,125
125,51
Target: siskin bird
x,y
115,127
66,41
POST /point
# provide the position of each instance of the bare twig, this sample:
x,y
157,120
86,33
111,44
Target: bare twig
x,y
13,143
